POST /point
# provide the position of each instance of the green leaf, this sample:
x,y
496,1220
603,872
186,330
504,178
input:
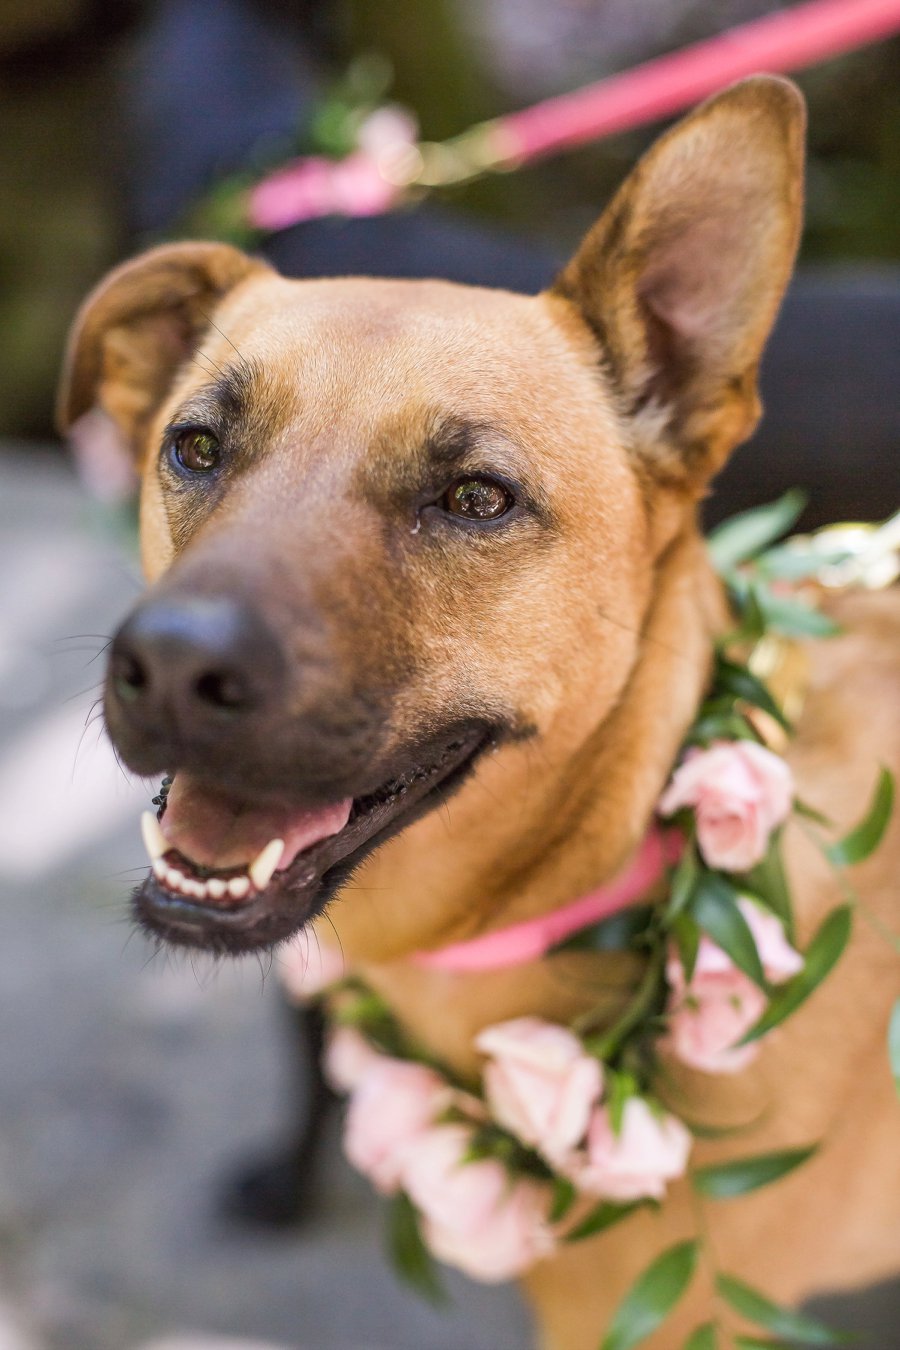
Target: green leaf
x,y
704,1338
782,1321
684,879
743,684
862,841
714,906
652,1297
788,562
810,813
719,726
619,1087
727,1180
894,1044
603,1216
795,618
687,936
767,880
411,1258
564,1194
617,933
762,1343
745,535
820,957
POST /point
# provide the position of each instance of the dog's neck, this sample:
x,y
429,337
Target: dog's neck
x,y
539,826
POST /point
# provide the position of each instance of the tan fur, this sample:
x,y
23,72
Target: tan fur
x,y
622,389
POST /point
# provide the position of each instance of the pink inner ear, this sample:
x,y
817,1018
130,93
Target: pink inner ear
x,y
696,282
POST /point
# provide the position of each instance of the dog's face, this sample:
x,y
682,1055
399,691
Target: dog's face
x,y
394,525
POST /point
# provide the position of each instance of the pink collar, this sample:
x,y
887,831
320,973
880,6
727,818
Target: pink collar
x,y
528,941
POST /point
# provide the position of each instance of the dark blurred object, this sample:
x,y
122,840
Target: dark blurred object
x,y
281,1187
59,222
832,415
207,91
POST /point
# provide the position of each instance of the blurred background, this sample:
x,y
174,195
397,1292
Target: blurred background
x,y
133,1086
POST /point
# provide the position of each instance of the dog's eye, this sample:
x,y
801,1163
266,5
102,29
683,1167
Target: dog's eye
x,y
195,449
477,499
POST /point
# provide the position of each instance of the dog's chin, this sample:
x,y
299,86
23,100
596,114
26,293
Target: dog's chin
x,y
295,894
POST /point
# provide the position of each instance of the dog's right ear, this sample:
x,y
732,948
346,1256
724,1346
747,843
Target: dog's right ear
x,y
135,330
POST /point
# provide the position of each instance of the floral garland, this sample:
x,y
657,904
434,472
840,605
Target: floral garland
x,y
565,1134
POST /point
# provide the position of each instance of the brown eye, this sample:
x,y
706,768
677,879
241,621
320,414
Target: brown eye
x,y
477,499
195,449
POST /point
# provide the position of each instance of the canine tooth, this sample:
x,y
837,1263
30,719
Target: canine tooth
x,y
174,879
238,887
216,887
263,866
155,842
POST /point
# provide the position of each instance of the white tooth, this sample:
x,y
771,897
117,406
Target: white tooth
x,y
155,842
263,865
194,888
216,887
160,868
174,879
238,887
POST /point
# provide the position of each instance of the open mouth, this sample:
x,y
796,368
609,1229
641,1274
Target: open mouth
x,y
230,875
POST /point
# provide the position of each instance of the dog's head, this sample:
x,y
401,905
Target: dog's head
x,y
393,525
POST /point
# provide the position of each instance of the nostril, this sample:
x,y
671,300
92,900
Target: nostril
x,y
129,677
222,689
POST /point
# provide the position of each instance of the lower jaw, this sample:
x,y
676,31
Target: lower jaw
x,y
292,898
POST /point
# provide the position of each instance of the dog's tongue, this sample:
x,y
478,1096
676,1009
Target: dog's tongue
x,y
217,830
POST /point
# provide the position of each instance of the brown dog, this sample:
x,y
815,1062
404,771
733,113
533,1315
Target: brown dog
x,y
408,538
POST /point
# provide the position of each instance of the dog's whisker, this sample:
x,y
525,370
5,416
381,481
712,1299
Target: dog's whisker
x,y
212,323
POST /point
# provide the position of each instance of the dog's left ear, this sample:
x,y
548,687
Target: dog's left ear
x,y
681,278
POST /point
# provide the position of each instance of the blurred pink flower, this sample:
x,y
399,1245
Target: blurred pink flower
x,y
739,792
306,967
105,461
649,1151
393,1103
712,1013
474,1216
348,1058
358,185
540,1083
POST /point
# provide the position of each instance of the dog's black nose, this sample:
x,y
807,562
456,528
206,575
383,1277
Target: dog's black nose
x,y
184,667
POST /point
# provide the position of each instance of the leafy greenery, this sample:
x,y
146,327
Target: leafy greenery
x,y
768,883
782,1321
603,1216
820,957
714,906
724,1181
411,1258
745,535
652,1297
863,840
704,1338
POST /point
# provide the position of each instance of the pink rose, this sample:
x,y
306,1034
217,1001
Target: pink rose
x,y
540,1083
392,1105
348,1058
474,1216
649,1151
306,967
707,1022
739,791
711,1014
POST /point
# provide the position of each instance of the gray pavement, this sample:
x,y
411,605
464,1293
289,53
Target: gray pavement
x,y
131,1085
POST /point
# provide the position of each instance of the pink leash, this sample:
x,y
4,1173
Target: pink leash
x,y
787,40
528,941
